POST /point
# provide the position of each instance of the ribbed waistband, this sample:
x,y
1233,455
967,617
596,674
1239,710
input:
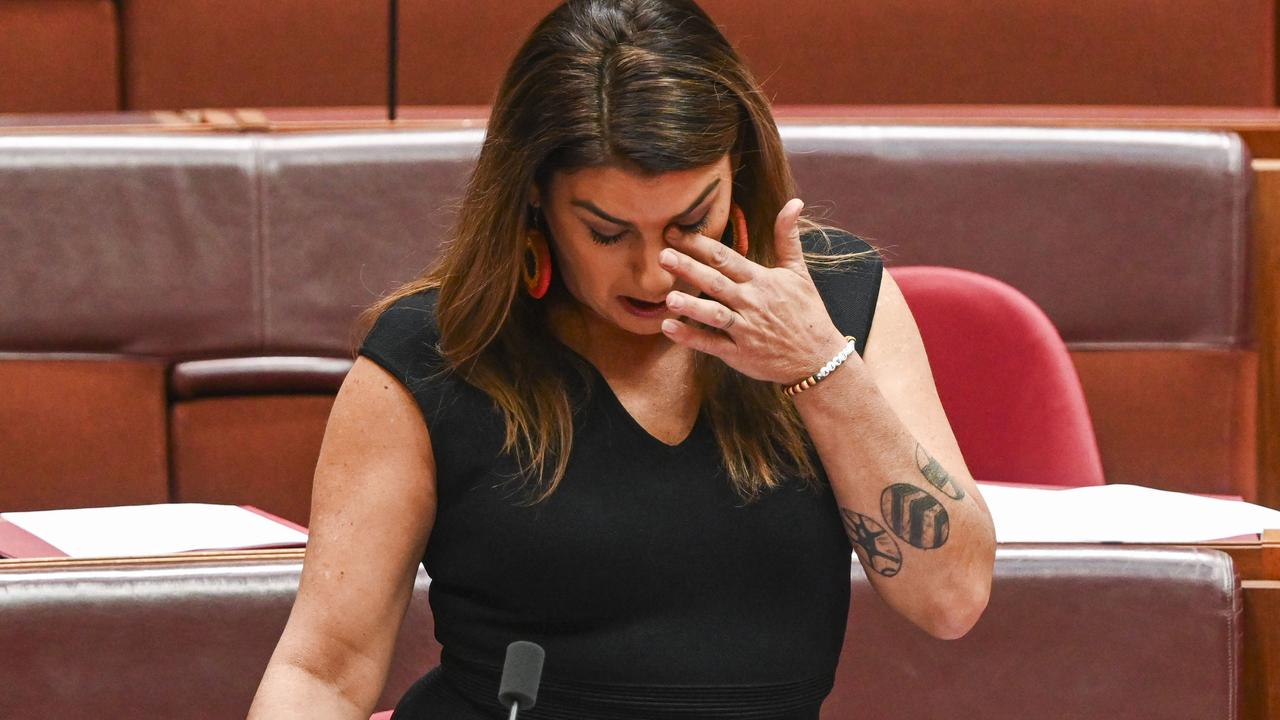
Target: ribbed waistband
x,y
573,700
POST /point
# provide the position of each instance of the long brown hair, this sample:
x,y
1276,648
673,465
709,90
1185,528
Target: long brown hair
x,y
653,86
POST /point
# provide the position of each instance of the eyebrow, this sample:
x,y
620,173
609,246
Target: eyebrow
x,y
588,205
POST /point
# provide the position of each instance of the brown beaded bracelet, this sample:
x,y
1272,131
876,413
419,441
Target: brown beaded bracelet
x,y
826,370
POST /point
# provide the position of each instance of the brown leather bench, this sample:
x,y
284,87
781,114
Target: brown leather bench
x,y
163,637
200,289
1136,245
1070,632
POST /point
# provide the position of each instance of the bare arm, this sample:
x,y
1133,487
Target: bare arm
x,y
372,508
910,506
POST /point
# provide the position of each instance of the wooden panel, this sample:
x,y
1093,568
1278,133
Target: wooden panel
x,y
1174,419
1123,52
1266,246
195,53
81,433
1151,52
1258,565
259,451
1259,690
454,52
59,56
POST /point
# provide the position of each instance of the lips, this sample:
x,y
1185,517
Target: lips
x,y
644,308
647,303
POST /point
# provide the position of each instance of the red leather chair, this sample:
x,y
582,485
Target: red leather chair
x,y
1005,379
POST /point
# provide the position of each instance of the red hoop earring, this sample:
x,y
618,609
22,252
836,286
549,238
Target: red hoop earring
x,y
740,244
536,265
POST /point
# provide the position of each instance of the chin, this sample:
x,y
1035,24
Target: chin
x,y
647,327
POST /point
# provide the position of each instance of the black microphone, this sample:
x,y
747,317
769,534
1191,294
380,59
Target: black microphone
x,y
521,673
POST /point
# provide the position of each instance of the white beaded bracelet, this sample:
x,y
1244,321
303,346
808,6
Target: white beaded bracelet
x,y
826,370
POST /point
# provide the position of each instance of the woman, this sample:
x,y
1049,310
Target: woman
x,y
642,422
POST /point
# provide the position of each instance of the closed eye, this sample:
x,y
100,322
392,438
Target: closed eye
x,y
697,227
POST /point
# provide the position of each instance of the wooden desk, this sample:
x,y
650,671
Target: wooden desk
x,y
1259,566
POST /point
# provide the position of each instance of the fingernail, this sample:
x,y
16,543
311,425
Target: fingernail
x,y
667,257
669,326
675,301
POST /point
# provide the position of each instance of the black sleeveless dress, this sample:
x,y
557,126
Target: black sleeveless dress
x,y
655,591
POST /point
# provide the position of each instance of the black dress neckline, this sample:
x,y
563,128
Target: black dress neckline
x,y
601,385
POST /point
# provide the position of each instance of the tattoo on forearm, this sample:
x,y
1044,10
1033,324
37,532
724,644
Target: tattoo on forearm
x,y
915,516
911,512
875,547
937,475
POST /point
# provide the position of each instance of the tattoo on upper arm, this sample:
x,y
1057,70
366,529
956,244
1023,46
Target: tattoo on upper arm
x,y
937,475
875,547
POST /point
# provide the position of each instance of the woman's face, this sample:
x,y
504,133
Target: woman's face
x,y
608,226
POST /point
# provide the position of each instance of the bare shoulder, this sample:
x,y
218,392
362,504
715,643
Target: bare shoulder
x,y
895,353
376,459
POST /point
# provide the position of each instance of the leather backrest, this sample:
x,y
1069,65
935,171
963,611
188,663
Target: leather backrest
x,y
143,245
174,637
1125,238
1070,632
204,246
387,202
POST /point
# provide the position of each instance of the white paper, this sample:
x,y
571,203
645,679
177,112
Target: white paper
x,y
1106,513
1120,513
132,530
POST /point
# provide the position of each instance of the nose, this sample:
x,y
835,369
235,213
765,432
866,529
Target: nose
x,y
653,280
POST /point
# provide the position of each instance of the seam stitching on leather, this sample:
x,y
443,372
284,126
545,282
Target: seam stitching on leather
x,y
1232,682
1240,235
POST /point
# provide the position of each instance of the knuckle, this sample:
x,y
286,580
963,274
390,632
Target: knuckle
x,y
720,256
717,283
